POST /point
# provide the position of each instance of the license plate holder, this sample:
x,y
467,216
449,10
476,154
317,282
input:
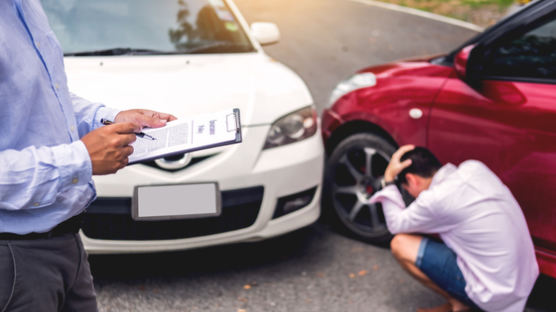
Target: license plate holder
x,y
176,201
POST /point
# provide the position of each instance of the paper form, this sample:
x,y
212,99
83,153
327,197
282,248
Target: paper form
x,y
188,134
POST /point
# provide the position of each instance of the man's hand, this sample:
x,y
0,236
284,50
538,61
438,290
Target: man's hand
x,y
395,166
109,147
144,118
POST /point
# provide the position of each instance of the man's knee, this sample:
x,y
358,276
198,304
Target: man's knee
x,y
405,246
397,244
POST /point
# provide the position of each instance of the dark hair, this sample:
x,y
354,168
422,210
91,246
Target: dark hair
x,y
423,164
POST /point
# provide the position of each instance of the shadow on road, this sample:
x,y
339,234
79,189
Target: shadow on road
x,y
542,297
310,245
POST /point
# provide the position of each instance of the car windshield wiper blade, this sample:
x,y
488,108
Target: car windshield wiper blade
x,y
219,47
212,47
120,51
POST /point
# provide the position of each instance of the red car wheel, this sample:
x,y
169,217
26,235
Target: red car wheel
x,y
353,172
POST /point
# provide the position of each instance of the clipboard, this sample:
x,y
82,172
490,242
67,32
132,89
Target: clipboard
x,y
188,135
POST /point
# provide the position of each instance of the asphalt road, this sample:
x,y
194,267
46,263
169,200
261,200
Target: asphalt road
x,y
325,41
316,269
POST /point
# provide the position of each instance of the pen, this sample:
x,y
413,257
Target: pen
x,y
141,134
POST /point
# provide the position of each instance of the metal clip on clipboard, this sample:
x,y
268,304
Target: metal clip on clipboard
x,y
233,124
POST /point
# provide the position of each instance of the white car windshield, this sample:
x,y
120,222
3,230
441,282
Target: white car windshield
x,y
143,27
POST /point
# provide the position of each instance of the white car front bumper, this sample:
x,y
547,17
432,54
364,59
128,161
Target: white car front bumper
x,y
274,173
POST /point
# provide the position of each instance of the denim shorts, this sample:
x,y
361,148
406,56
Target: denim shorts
x,y
438,262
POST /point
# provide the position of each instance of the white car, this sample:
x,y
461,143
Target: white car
x,y
189,57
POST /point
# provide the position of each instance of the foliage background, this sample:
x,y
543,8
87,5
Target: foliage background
x,y
480,12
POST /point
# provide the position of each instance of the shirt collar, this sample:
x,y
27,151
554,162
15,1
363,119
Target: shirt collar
x,y
443,173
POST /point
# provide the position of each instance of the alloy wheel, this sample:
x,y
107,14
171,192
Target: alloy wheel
x,y
354,172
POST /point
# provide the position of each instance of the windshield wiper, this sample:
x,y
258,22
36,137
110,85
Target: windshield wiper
x,y
220,47
211,47
119,51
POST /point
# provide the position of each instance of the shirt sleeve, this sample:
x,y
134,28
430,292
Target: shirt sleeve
x,y
89,114
35,176
424,215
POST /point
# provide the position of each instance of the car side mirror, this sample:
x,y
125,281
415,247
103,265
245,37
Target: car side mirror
x,y
467,66
460,61
265,33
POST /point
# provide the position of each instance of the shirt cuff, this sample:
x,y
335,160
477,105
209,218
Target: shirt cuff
x,y
74,163
104,113
389,192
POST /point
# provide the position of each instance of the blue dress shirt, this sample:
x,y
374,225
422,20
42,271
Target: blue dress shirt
x,y
45,170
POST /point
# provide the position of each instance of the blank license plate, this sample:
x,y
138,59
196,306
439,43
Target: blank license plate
x,y
176,201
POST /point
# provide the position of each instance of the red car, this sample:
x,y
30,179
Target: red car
x,y
493,99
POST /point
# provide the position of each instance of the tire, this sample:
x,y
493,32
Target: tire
x,y
352,172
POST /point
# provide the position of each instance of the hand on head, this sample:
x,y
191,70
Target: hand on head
x,y
396,166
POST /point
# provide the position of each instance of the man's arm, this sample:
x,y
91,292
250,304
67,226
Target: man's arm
x,y
422,216
108,146
35,176
88,114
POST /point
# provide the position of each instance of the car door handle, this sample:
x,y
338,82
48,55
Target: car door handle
x,y
415,113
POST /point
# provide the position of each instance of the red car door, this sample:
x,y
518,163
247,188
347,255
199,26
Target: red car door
x,y
508,121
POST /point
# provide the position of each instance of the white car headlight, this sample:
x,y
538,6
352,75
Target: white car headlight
x,y
291,128
357,81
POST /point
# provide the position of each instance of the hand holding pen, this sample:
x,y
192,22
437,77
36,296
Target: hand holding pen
x,y
109,147
139,134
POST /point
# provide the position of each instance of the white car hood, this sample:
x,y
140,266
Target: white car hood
x,y
182,85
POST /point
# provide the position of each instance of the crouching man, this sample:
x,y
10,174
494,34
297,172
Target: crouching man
x,y
486,259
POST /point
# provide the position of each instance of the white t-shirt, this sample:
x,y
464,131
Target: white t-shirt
x,y
476,216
